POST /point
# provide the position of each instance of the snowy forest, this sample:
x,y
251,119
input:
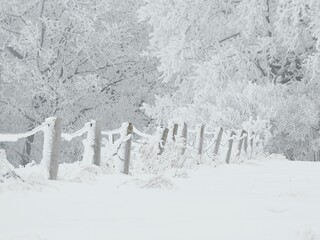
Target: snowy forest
x,y
203,74
235,64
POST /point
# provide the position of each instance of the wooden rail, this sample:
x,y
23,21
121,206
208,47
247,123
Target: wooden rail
x,y
175,133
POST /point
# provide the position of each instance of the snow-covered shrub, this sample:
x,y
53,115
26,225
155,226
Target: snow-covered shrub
x,y
6,169
291,128
158,182
155,182
259,130
171,158
77,172
154,163
232,61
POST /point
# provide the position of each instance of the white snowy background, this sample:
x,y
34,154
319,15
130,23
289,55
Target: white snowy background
x,y
240,65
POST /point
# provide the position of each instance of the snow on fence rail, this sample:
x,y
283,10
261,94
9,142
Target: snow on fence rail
x,y
52,129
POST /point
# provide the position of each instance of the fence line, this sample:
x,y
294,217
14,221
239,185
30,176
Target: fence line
x,y
176,133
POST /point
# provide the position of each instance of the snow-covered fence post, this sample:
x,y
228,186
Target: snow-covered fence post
x,y
51,147
183,132
92,150
112,138
315,154
125,150
97,145
163,140
230,147
199,141
243,132
251,142
218,142
245,142
174,131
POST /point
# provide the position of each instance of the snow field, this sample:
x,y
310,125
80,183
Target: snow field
x,y
270,199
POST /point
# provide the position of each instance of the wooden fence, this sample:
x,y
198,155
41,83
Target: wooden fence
x,y
53,136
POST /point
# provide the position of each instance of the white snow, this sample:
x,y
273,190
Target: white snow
x,y
272,199
89,143
6,169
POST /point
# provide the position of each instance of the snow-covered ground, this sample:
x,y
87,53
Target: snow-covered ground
x,y
262,199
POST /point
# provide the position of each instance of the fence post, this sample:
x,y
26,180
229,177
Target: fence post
x,y
97,144
51,147
163,140
174,131
243,132
111,138
245,142
126,149
199,141
230,147
251,143
216,147
183,132
315,154
92,151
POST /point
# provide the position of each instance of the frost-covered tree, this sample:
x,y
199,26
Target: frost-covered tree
x,y
73,59
234,61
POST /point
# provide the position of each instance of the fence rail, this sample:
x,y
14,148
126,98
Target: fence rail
x,y
53,136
